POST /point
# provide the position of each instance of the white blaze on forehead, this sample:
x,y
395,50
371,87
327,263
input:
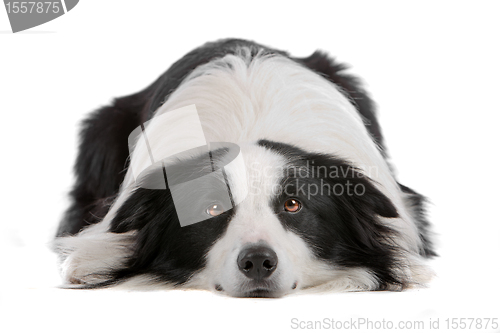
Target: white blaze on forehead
x,y
260,177
254,219
235,169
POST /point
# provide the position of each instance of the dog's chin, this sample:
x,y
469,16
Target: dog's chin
x,y
258,290
262,293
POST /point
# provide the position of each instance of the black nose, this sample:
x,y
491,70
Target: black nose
x,y
257,261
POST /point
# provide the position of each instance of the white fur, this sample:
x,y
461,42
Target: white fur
x,y
88,257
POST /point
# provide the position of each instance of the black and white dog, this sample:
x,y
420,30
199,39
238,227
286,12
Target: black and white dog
x,y
312,204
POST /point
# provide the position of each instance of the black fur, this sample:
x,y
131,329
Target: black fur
x,y
102,159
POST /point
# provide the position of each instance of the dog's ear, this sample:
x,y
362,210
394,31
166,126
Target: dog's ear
x,y
415,203
350,86
360,195
372,198
366,239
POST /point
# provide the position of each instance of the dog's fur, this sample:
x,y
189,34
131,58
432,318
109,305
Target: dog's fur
x,y
285,114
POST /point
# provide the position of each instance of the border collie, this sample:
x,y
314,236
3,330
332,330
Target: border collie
x,y
287,187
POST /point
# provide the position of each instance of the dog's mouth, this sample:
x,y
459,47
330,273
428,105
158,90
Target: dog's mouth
x,y
257,292
260,293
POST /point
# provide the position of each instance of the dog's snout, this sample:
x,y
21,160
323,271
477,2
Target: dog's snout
x,y
257,262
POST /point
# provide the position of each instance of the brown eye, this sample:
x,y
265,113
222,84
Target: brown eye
x,y
292,206
214,210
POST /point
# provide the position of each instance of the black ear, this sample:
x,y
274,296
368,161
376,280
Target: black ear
x,y
375,200
350,85
101,161
416,203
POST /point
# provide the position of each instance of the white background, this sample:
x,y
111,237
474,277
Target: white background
x,y
432,67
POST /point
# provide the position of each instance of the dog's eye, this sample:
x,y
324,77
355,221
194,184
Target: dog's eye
x,y
214,210
292,205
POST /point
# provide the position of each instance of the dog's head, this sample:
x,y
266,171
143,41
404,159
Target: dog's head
x,y
312,202
306,219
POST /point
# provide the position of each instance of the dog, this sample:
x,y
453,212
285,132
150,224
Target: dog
x,y
313,203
